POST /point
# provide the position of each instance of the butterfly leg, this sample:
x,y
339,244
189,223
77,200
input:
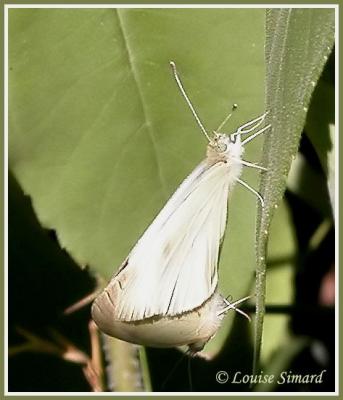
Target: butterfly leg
x,y
252,190
251,125
255,134
252,165
233,305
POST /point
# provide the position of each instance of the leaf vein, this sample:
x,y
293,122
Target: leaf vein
x,y
142,100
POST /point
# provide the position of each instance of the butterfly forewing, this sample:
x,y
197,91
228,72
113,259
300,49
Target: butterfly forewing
x,y
173,267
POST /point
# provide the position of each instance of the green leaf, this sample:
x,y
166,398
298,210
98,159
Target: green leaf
x,y
280,362
309,184
320,128
100,136
297,47
282,249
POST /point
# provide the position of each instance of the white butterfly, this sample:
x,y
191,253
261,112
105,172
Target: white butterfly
x,y
165,292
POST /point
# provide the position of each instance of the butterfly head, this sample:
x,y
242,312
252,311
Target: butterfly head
x,y
227,146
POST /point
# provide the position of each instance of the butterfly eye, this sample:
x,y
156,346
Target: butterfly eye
x,y
222,147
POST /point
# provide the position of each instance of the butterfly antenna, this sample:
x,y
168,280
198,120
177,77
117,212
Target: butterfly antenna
x,y
234,107
183,92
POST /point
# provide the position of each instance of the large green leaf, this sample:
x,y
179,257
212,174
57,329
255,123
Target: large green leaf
x,y
99,135
280,280
297,47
